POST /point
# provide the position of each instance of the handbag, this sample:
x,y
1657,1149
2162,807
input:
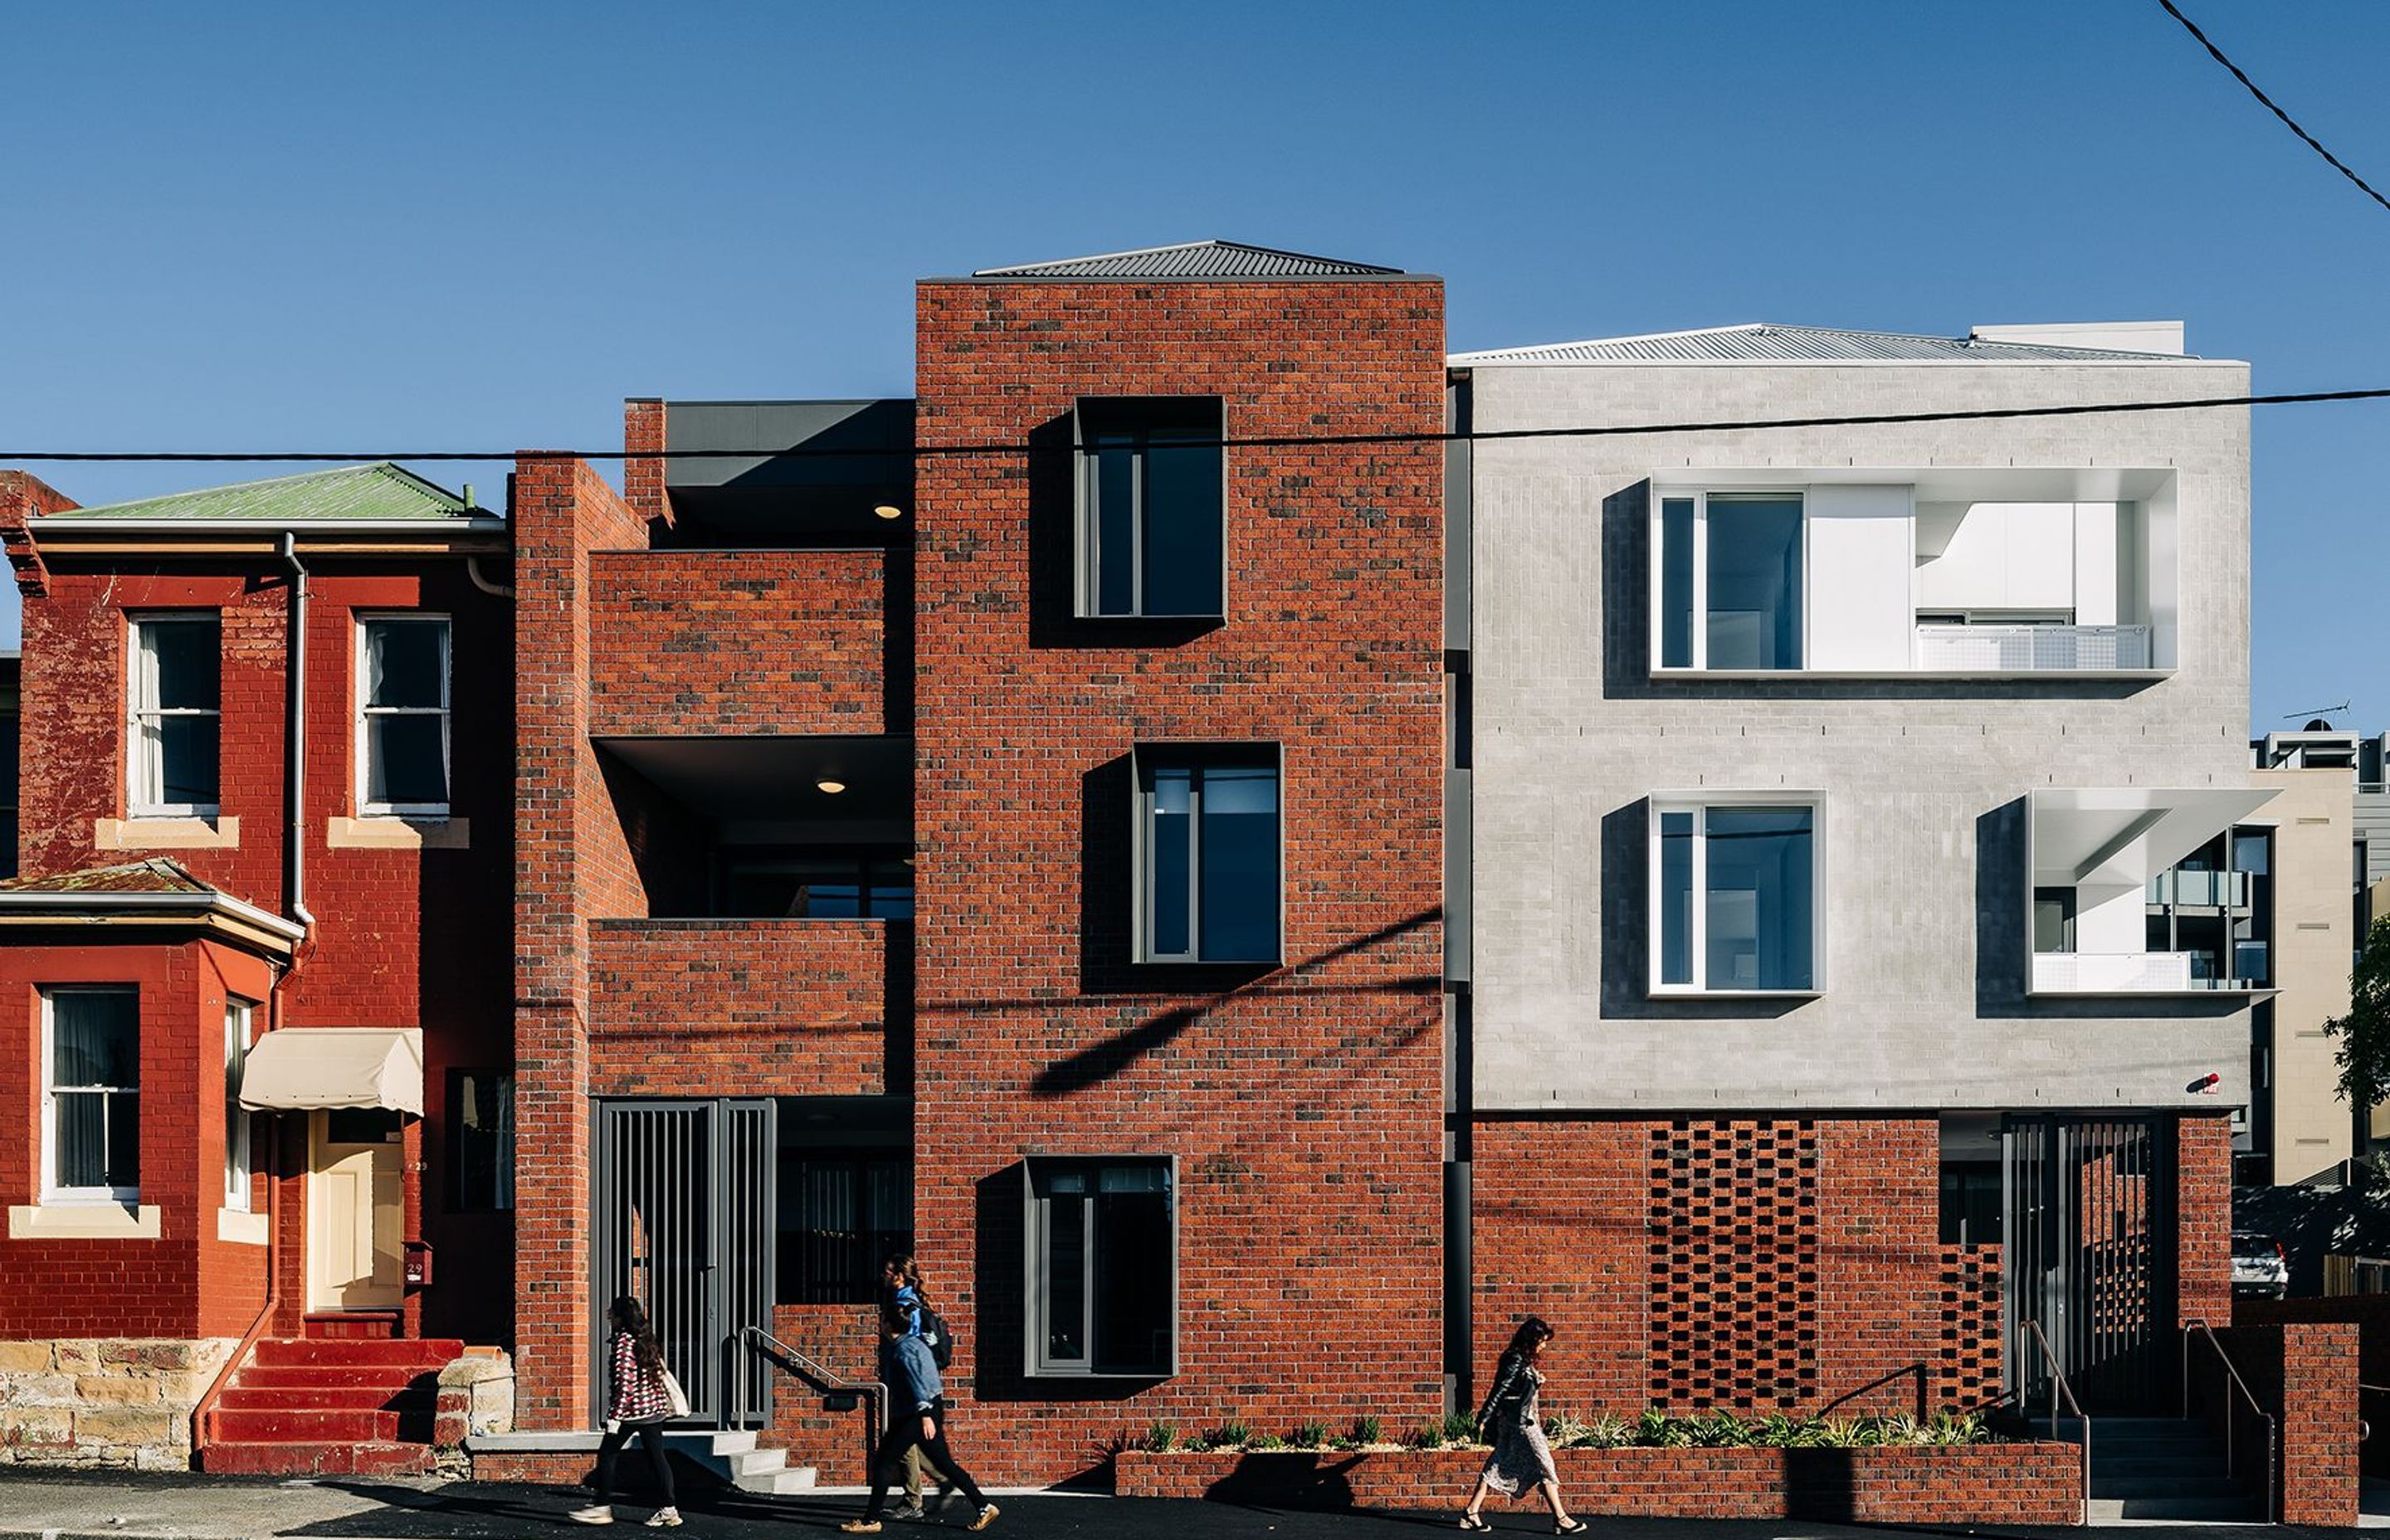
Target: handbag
x,y
673,1395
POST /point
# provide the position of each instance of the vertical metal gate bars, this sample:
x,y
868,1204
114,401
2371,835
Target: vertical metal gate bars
x,y
682,1219
2089,1201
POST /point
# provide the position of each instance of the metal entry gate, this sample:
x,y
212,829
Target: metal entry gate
x,y
682,1220
2089,1211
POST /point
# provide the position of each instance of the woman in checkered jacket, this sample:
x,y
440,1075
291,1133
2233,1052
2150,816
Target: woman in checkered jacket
x,y
638,1403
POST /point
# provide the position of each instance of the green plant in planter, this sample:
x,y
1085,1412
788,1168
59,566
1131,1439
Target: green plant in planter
x,y
1429,1436
1563,1431
1231,1434
1459,1428
1715,1429
1957,1428
1368,1430
1162,1437
1776,1430
1307,1435
1608,1431
1851,1432
1261,1442
1656,1430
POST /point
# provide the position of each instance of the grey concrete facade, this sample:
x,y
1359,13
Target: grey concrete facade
x,y
1923,781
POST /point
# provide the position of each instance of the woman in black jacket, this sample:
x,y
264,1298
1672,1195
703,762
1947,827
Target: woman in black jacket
x,y
1512,1422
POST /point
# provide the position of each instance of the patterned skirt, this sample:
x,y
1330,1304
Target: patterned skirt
x,y
1522,1459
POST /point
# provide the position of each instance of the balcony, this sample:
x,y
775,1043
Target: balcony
x,y
749,642
2201,889
2032,649
2097,857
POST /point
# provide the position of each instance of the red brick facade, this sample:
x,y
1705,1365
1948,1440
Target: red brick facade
x,y
1789,1265
737,642
402,937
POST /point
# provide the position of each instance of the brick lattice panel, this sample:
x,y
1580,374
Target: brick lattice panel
x,y
1967,1360
1734,1261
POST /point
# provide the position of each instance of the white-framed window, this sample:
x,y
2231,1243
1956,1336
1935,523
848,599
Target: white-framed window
x,y
403,732
1730,580
1737,895
1102,1251
174,715
240,1018
91,1095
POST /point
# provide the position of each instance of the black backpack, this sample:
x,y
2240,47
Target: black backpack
x,y
937,1336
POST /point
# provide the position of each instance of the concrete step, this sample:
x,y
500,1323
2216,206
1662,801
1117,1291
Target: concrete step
x,y
756,1462
795,1478
2213,1510
373,1459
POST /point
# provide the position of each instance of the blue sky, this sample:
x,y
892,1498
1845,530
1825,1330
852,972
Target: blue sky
x,y
255,227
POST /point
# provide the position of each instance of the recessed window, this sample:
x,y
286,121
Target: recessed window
x,y
842,1212
176,716
240,1018
91,1101
1103,1267
1734,898
2053,919
816,885
481,1139
1151,526
402,716
1208,880
1729,580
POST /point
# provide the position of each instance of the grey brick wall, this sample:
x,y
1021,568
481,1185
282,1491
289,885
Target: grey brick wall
x,y
1923,780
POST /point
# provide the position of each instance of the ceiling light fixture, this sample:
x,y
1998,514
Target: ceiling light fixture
x,y
831,786
889,510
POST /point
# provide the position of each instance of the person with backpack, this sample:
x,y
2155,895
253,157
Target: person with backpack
x,y
643,1396
1511,1421
916,1408
900,1283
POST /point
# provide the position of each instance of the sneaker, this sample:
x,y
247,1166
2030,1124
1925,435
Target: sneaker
x,y
987,1517
908,1513
861,1526
596,1514
664,1517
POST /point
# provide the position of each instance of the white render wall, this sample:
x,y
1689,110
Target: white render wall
x,y
1925,946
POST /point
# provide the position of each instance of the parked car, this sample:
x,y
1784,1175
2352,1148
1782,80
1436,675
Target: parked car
x,y
2258,1266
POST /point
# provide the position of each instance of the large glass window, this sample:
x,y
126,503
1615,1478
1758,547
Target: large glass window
x,y
821,884
240,1021
842,1213
1734,898
403,715
481,1139
91,1115
1208,883
1729,588
177,698
1103,1267
1151,540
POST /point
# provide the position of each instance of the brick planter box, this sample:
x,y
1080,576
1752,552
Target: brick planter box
x,y
1995,1484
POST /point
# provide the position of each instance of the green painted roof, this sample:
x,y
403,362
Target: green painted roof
x,y
378,491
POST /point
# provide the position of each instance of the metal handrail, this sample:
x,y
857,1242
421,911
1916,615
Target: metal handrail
x,y
761,1343
2246,1394
2058,1387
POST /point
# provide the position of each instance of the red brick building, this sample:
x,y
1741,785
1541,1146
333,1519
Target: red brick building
x,y
213,905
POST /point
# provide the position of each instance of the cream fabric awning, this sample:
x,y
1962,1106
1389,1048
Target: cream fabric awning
x,y
302,1067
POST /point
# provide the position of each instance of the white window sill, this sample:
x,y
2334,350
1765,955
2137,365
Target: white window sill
x,y
398,833
100,1220
240,1226
178,833
1682,994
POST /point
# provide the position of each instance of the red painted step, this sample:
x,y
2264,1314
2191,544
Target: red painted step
x,y
381,1396
351,1325
318,1459
309,1377
255,1427
364,1353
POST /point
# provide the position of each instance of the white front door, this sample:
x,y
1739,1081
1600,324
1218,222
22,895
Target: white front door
x,y
354,1210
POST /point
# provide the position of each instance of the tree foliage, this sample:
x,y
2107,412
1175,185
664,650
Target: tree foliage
x,y
2364,1032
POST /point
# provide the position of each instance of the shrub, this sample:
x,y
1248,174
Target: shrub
x,y
1715,1429
1459,1428
1307,1435
1261,1442
1429,1436
1608,1431
1563,1431
1162,1437
1231,1434
1656,1430
1367,1429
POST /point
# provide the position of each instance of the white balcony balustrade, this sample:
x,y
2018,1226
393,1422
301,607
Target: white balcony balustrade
x,y
2114,974
2032,649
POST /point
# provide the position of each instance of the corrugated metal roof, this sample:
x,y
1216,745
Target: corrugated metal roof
x,y
377,491
1196,258
1759,342
156,875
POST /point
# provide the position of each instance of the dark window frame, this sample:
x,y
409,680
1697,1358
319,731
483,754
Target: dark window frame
x,y
793,1282
1094,421
1148,758
502,1199
1037,1290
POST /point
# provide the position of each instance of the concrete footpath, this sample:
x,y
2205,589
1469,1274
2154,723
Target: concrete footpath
x,y
72,1506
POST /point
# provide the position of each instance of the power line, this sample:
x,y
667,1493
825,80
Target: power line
x,y
1284,441
2267,102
